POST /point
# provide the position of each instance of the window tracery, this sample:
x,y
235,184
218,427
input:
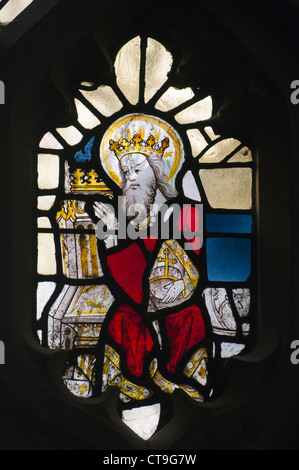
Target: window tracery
x,y
104,300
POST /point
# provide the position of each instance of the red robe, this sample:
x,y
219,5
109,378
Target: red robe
x,y
185,328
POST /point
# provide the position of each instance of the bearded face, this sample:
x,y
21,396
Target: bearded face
x,y
139,186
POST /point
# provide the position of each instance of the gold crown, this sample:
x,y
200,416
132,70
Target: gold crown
x,y
137,144
89,181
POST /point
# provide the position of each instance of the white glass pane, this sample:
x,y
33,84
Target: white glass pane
x,y
173,97
157,66
211,133
199,111
50,142
127,69
190,187
231,349
143,420
70,134
85,117
87,84
244,155
12,9
48,171
43,222
219,151
43,294
46,260
103,99
44,203
197,141
228,188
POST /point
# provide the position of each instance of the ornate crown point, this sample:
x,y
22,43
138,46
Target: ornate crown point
x,y
137,144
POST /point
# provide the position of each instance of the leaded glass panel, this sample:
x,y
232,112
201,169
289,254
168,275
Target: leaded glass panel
x,y
145,234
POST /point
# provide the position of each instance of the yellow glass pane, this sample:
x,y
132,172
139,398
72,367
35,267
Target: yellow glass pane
x,y
46,259
157,66
103,99
127,70
85,117
219,151
197,141
173,97
48,171
228,188
199,111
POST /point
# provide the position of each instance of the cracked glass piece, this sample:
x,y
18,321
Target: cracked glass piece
x,y
46,254
197,141
70,134
48,171
85,117
157,66
103,99
199,111
50,142
127,70
173,97
228,188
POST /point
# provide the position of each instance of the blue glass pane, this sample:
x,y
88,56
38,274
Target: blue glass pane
x,y
85,154
228,259
228,223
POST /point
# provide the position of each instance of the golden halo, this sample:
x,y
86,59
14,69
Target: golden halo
x,y
126,127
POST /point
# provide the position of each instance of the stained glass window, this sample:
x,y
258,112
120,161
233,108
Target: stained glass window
x,y
145,234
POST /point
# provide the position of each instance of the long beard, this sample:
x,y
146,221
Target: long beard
x,y
138,201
